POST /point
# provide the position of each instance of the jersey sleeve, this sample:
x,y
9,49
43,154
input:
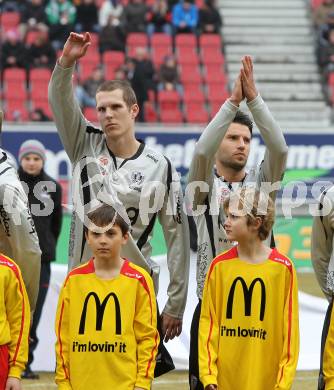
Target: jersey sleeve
x,y
62,340
289,357
22,238
146,333
201,167
176,232
69,120
208,334
273,166
322,233
18,315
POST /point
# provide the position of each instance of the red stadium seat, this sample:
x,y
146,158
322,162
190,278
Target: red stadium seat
x,y
189,97
137,39
94,41
187,55
315,3
16,110
161,40
39,89
210,40
159,54
190,74
171,116
192,88
215,106
150,112
331,79
188,40
212,55
115,58
40,74
218,77
92,57
43,105
90,114
217,94
168,100
9,20
31,37
15,90
195,114
86,70
16,74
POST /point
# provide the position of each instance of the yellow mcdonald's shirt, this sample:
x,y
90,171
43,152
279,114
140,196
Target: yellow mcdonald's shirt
x,y
106,330
249,332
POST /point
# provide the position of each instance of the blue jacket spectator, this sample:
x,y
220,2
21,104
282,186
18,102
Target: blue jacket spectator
x,y
185,17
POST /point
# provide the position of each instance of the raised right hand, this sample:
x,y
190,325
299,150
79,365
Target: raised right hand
x,y
237,94
75,47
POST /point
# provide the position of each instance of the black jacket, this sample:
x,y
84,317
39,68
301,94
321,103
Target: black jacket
x,y
47,226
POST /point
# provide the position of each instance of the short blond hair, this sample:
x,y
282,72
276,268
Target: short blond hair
x,y
254,203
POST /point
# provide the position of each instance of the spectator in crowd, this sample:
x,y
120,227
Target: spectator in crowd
x,y
209,18
38,115
109,8
185,17
44,197
134,16
33,17
159,18
87,91
87,16
326,55
120,74
112,36
324,29
322,11
14,53
41,52
61,16
143,79
168,75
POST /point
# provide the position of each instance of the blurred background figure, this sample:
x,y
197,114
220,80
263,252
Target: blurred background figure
x,y
13,51
322,11
168,76
44,197
134,16
33,17
185,17
112,36
209,20
86,92
41,53
109,8
61,17
159,18
87,17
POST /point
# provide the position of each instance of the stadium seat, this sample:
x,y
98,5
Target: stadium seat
x,y
150,112
190,74
210,40
188,40
193,88
16,74
86,70
161,40
94,41
16,109
90,114
214,108
195,114
15,90
39,89
31,37
42,104
171,116
189,97
187,55
159,54
216,94
168,100
37,74
137,39
212,55
112,60
331,79
93,57
219,78
9,20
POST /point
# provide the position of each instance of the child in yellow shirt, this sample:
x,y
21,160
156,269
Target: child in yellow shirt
x,y
106,321
14,325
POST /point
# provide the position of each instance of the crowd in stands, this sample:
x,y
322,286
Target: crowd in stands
x,y
170,51
323,17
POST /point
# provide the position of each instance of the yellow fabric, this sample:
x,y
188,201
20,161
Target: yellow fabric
x,y
328,356
100,349
249,338
14,315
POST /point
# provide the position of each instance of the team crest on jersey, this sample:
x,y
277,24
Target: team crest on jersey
x,y
103,163
137,178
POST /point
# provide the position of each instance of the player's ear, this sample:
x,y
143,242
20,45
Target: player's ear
x,y
134,111
125,238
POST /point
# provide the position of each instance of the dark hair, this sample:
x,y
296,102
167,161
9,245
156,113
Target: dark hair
x,y
243,119
104,215
129,95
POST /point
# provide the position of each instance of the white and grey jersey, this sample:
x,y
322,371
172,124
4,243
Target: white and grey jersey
x,y
147,175
322,243
18,237
211,233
